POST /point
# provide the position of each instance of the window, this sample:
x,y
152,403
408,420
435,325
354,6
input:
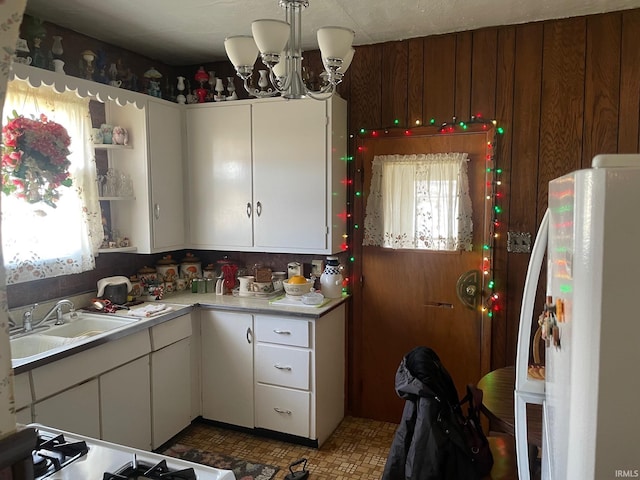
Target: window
x,y
419,202
39,241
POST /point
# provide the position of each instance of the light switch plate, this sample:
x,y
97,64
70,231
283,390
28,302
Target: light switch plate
x,y
518,242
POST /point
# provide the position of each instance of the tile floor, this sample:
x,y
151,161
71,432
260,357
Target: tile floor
x,y
357,450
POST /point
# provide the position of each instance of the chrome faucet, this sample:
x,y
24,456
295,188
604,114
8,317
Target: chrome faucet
x,y
27,318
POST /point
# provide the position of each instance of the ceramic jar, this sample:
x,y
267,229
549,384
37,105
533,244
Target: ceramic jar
x,y
96,136
209,271
136,286
331,279
167,269
148,275
107,133
190,267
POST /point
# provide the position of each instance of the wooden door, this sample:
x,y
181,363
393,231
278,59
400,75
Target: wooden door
x,y
407,298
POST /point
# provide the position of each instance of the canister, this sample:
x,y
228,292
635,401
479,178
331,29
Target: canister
x,y
148,275
167,269
209,271
190,267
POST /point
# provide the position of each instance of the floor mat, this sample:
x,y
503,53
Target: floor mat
x,y
243,470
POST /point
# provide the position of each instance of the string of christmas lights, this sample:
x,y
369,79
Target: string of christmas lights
x,y
491,304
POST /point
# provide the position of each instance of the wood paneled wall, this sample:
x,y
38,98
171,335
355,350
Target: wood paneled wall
x,y
563,90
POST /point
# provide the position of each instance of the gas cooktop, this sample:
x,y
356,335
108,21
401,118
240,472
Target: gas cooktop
x,y
61,455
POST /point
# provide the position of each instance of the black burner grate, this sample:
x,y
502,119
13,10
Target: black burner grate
x,y
53,452
141,470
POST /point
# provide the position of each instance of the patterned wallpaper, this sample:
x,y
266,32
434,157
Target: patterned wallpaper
x,y
10,17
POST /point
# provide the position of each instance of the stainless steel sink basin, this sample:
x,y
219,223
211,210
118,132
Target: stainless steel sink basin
x,y
35,344
50,337
86,325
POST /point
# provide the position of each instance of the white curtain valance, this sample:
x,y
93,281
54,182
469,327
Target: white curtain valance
x,y
419,201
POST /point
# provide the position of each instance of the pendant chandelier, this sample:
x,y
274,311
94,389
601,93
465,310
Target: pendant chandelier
x,y
280,46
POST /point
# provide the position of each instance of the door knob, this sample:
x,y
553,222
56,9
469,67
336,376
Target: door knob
x,y
468,288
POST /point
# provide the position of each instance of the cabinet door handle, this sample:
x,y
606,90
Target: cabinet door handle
x,y
279,410
259,208
156,211
283,367
249,335
248,210
282,332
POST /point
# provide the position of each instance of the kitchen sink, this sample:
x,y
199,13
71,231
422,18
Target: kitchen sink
x,y
86,325
74,330
35,344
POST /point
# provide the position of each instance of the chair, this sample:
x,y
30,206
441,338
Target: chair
x,y
505,467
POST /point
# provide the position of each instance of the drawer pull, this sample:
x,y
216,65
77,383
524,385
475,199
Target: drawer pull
x,y
279,410
282,367
282,332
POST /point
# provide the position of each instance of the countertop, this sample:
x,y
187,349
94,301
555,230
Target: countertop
x,y
180,303
252,304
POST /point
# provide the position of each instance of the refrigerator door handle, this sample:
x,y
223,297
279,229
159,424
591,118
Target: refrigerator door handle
x,y
528,390
526,309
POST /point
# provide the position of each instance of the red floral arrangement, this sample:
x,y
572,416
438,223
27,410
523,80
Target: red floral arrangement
x,y
34,159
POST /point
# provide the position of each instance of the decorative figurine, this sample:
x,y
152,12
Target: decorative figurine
x,y
88,68
153,76
201,77
181,98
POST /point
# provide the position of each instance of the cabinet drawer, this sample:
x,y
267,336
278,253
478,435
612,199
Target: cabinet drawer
x,y
22,390
287,367
170,332
283,410
284,331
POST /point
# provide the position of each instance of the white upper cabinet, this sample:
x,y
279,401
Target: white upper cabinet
x,y
219,178
268,175
166,159
154,222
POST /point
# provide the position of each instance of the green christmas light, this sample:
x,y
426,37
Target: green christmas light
x,y
432,121
362,130
500,130
497,209
396,122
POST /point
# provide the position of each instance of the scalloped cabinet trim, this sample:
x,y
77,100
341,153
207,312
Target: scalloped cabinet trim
x,y
83,88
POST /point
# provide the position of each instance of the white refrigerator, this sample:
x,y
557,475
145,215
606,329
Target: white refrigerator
x,y
591,391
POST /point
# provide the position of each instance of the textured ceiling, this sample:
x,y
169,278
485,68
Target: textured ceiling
x,y
188,32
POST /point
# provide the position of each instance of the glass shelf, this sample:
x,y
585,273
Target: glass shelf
x,y
117,249
110,146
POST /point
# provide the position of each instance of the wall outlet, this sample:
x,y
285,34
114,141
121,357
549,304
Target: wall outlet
x,y
518,242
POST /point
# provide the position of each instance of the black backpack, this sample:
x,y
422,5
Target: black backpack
x,y
436,438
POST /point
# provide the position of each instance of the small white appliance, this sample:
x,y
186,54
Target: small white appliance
x,y
590,234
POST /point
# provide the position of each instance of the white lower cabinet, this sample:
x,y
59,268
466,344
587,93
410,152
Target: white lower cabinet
x,y
171,390
124,409
227,367
75,410
135,391
279,373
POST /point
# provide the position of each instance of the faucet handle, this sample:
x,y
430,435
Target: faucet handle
x,y
29,312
